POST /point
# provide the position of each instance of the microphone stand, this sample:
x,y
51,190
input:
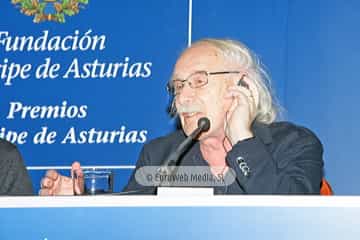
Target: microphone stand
x,y
169,165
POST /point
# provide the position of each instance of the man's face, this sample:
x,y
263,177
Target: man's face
x,y
207,101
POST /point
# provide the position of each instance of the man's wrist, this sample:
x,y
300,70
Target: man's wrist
x,y
245,135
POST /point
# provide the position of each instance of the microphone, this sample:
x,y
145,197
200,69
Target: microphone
x,y
169,164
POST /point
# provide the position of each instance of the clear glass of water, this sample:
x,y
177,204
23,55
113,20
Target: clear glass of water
x,y
98,181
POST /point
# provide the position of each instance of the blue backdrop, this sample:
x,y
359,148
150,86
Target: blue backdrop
x,y
309,47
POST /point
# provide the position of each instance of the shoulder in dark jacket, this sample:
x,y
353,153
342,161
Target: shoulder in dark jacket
x,y
14,178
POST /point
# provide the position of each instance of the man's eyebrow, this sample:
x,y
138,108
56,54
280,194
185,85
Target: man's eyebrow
x,y
175,77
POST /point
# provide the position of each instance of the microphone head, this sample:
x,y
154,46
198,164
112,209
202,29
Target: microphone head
x,y
204,124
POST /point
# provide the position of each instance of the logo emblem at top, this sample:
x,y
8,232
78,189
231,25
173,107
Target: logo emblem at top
x,y
50,10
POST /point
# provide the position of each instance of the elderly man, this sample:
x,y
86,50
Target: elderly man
x,y
224,81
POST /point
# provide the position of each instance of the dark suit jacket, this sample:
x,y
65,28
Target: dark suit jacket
x,y
282,158
14,178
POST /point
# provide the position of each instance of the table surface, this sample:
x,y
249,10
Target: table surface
x,y
186,201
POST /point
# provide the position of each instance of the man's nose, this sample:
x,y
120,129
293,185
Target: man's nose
x,y
186,95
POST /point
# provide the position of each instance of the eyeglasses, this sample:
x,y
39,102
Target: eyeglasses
x,y
195,80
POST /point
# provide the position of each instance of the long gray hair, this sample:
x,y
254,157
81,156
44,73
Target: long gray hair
x,y
236,52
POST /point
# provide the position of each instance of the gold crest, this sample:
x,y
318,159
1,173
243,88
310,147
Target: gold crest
x,y
50,10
